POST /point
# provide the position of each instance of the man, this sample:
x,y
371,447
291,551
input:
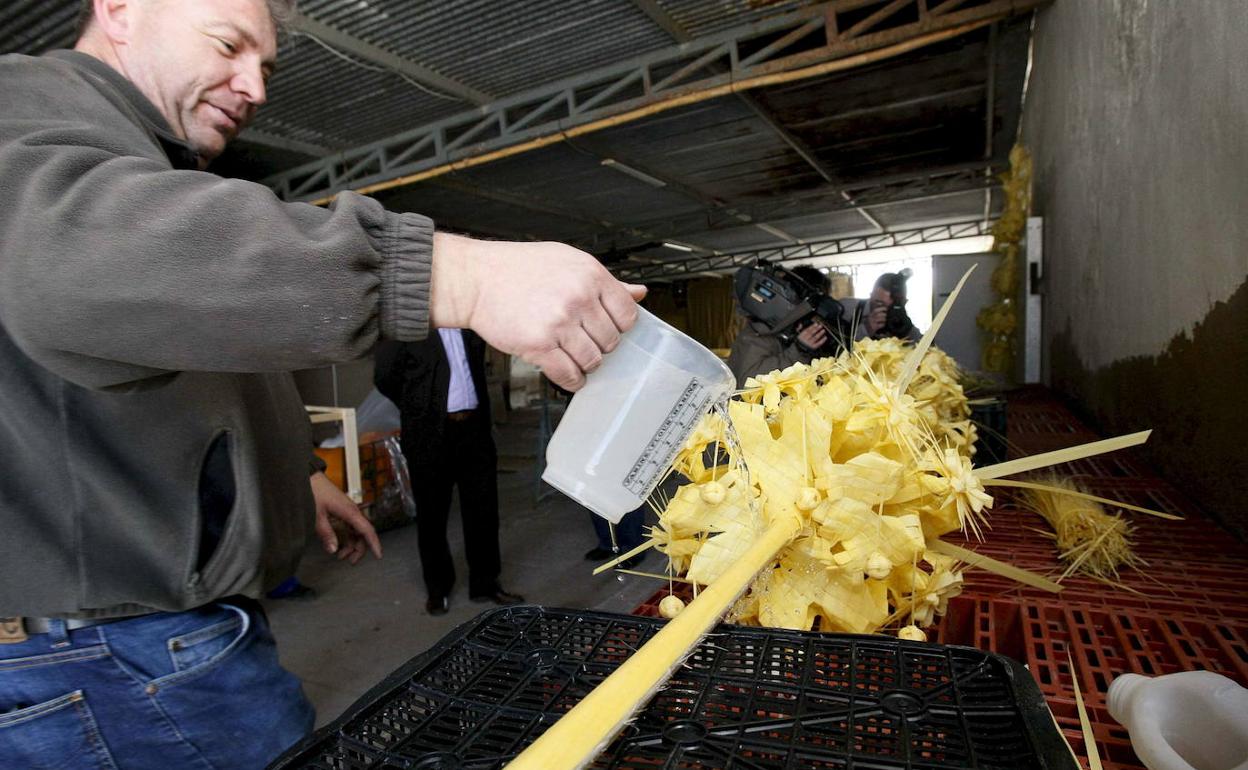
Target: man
x,y
883,313
444,405
156,462
758,350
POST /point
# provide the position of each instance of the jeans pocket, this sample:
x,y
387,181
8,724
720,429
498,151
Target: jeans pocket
x,y
243,693
59,734
203,645
200,650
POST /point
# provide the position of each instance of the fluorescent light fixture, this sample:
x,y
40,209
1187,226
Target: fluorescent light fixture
x,y
677,246
634,173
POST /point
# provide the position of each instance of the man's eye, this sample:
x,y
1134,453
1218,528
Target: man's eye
x,y
227,45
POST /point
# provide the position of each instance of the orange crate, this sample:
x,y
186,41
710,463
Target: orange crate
x,y
375,470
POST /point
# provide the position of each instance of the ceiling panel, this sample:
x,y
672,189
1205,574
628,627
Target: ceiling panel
x,y
964,207
498,48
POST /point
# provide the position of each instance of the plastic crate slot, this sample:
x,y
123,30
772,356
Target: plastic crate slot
x,y
347,756
379,729
937,745
877,735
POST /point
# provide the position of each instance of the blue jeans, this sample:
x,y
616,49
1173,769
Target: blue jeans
x,y
200,690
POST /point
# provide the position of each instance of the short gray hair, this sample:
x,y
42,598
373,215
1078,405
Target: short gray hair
x,y
282,12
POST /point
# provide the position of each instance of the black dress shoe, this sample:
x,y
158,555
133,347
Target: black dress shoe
x,y
437,605
498,596
598,554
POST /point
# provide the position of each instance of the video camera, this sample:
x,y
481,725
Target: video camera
x,y
897,322
779,298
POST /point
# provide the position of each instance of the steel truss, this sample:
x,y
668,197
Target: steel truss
x,y
936,183
681,268
661,79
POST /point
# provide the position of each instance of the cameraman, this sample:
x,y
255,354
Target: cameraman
x,y
757,350
884,313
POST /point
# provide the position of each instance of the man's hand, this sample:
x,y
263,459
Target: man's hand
x,y
812,337
876,316
553,305
340,525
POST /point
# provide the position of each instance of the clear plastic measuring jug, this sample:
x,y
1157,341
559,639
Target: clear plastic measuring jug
x,y
622,429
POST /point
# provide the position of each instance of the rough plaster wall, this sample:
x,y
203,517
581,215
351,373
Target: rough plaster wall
x,y
1137,118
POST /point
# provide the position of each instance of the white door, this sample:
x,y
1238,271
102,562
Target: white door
x,y
958,335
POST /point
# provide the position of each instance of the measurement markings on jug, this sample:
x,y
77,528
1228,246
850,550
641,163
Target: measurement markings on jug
x,y
658,454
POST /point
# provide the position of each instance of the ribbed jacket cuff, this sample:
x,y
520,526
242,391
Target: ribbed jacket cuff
x,y
406,248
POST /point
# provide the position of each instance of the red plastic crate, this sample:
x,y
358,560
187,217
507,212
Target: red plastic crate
x,y
1157,495
1040,421
1113,742
986,624
1010,523
1193,568
1107,642
1103,643
1214,591
1190,604
1027,445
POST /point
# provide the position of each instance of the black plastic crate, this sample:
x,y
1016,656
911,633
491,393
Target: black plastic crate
x,y
989,416
746,699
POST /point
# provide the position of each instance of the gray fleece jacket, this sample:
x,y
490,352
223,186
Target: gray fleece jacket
x,y
755,351
153,450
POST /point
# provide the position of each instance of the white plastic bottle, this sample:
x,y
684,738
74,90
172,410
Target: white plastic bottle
x,y
1193,720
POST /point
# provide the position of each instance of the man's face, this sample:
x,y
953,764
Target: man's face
x,y
203,63
881,298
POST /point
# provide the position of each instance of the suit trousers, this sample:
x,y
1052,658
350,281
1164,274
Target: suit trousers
x,y
467,459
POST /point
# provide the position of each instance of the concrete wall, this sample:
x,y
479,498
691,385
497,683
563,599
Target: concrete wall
x,y
1137,119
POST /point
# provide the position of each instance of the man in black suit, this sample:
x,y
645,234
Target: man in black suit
x,y
439,386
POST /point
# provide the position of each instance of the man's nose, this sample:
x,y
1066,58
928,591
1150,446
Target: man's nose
x,y
249,82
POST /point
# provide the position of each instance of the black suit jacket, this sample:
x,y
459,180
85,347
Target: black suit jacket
x,y
416,376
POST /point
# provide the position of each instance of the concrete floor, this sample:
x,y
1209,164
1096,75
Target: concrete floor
x,y
369,619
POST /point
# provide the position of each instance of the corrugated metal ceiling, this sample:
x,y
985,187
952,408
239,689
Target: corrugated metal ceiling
x,y
498,48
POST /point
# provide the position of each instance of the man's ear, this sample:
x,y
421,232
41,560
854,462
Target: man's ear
x,y
115,19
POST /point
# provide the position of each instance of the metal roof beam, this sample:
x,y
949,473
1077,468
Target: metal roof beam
x,y
599,99
336,38
683,268
535,204
954,180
